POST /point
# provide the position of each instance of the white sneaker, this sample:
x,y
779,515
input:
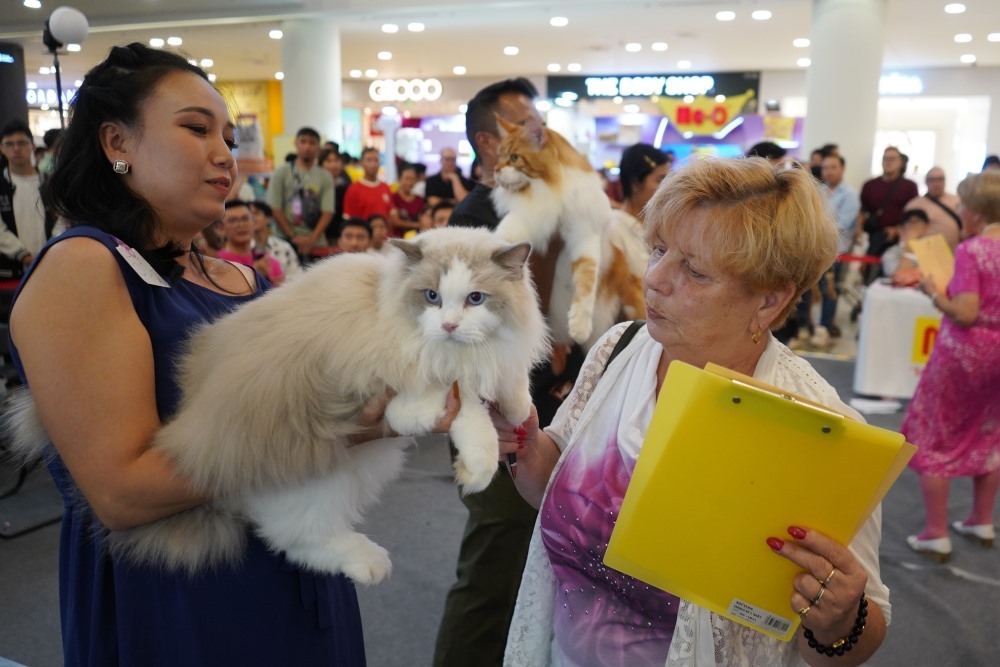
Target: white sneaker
x,y
820,337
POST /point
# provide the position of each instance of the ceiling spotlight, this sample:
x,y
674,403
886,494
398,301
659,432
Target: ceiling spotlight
x,y
390,28
156,43
33,4
511,50
574,67
801,42
279,75
174,41
631,108
275,34
633,47
371,73
993,37
458,70
212,77
760,15
658,46
683,64
725,16
963,37
618,99
558,21
355,74
75,48
206,62
415,27
44,70
385,55
968,58
554,67
954,8
803,62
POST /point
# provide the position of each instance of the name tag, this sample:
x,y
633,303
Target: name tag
x,y
141,266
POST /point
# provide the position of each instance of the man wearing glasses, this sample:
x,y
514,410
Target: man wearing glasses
x,y
24,229
941,207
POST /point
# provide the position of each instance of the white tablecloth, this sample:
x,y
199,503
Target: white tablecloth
x,y
898,328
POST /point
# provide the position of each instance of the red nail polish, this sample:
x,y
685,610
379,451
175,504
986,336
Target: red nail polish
x,y
520,432
775,543
520,445
797,532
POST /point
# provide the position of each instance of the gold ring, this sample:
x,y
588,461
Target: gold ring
x,y
804,611
822,592
829,578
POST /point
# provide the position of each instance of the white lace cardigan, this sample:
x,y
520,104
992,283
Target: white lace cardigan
x,y
701,638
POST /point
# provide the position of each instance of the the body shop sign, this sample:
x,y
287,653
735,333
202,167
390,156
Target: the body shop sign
x,y
697,104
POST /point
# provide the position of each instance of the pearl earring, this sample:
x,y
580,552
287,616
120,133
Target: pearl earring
x,y
120,167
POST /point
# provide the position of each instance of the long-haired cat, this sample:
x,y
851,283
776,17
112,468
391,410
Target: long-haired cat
x,y
273,391
546,187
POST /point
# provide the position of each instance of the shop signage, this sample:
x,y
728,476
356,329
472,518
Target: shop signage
x,y
39,96
404,90
703,115
654,85
900,84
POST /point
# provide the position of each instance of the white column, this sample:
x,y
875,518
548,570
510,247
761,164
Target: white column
x,y
311,90
847,42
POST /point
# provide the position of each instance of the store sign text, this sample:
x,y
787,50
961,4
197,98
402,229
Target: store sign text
x,y
404,90
38,96
647,86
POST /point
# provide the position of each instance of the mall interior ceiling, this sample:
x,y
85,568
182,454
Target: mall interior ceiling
x,y
475,38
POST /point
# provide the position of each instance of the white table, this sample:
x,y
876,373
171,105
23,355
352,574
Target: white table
x,y
898,328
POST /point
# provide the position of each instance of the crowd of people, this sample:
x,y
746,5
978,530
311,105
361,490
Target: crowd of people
x,y
141,198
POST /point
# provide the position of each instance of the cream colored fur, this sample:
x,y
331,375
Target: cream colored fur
x,y
272,391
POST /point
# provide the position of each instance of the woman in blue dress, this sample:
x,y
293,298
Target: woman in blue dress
x,y
145,164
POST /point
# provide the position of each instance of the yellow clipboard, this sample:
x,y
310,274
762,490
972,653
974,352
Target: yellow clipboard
x,y
729,461
935,259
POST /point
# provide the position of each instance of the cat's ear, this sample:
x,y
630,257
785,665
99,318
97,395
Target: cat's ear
x,y
505,127
513,257
410,249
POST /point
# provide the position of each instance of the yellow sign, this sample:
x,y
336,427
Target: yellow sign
x,y
703,115
925,330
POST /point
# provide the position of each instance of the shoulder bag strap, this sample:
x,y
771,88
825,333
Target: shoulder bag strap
x,y
947,209
625,339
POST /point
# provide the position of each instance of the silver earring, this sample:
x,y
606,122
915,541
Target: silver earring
x,y
120,167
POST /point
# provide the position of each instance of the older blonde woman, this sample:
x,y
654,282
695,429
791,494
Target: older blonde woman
x,y
735,243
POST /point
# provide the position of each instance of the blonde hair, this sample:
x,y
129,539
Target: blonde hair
x,y
770,225
981,193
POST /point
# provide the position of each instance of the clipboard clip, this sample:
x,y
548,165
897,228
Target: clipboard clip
x,y
789,397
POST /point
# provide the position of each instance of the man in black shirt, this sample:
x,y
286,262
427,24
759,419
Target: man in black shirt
x,y
449,185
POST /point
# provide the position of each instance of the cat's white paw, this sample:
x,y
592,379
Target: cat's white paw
x,y
414,414
478,456
353,554
474,473
581,323
516,408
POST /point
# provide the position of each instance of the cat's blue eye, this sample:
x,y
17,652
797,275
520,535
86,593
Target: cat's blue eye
x,y
475,298
432,296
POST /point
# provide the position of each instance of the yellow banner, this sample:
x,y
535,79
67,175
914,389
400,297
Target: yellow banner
x,y
925,330
703,116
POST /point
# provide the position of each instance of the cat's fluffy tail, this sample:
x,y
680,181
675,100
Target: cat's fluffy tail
x,y
200,538
21,427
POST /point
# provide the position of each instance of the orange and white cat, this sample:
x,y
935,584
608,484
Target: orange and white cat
x,y
545,187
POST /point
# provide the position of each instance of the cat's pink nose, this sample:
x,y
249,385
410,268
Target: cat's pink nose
x,y
449,327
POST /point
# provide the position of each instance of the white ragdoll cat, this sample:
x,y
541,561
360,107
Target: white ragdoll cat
x,y
273,391
544,186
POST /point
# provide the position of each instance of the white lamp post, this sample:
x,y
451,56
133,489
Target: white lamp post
x,y
65,25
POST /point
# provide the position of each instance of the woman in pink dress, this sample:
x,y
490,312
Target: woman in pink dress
x,y
953,418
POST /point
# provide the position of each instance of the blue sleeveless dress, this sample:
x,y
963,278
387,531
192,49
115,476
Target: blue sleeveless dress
x,y
264,611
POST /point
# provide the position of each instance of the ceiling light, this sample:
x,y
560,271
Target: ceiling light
x,y
954,8
963,37
683,64
760,15
558,21
206,62
574,67
563,102
174,41
803,62
44,70
462,108
725,16
993,37
212,77
617,99
385,55
968,58
554,67
390,28
569,95
801,42
75,48
511,50
33,4
371,73
156,43
355,74
279,75
631,108
275,34
658,46
415,27
633,47
458,69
